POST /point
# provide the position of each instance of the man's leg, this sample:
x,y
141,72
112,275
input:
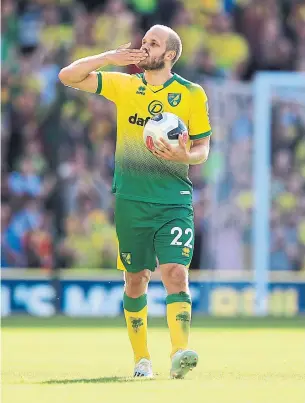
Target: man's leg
x,y
136,251
174,244
178,301
175,280
135,309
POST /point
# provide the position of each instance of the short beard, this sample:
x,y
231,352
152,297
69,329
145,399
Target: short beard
x,y
155,64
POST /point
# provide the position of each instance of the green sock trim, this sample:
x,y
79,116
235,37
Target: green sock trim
x,y
134,304
181,297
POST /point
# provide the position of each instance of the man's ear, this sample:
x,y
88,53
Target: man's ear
x,y
171,54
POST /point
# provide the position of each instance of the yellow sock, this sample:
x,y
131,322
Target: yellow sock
x,y
135,310
179,311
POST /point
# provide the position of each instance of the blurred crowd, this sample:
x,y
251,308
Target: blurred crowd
x,y
225,196
58,144
288,182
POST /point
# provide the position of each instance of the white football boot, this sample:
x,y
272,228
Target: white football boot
x,y
183,361
143,369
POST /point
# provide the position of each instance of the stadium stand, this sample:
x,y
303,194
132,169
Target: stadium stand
x,y
58,144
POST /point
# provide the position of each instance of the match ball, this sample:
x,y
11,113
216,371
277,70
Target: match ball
x,y
164,125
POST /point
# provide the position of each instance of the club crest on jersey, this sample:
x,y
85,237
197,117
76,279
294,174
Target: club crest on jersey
x,y
174,99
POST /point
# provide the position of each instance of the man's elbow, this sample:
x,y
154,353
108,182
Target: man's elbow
x,y
202,160
63,76
204,155
199,160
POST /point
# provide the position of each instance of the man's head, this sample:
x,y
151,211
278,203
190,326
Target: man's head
x,y
163,46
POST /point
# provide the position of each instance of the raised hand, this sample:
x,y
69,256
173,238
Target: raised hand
x,y
123,56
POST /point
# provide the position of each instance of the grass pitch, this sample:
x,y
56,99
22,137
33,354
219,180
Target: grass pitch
x,y
66,360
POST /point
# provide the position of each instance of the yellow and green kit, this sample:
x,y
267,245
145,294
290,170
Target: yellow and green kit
x,y
154,216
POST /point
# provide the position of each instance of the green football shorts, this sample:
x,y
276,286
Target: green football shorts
x,y
150,233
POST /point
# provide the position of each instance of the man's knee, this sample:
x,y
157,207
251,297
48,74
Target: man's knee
x,y
136,283
175,275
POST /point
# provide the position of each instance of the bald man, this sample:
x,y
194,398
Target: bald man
x,y
153,194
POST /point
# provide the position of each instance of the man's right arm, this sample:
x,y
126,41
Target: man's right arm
x,y
82,74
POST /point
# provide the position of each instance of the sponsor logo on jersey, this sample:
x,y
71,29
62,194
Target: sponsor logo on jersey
x,y
174,98
155,107
126,257
185,192
141,90
137,120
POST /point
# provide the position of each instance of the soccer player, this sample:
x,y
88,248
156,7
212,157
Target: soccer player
x,y
153,194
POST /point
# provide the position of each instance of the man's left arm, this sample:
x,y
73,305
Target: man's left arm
x,y
199,126
199,151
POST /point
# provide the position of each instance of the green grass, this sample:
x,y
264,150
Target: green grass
x,y
82,361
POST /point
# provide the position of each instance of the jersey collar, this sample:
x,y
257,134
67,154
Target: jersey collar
x,y
166,84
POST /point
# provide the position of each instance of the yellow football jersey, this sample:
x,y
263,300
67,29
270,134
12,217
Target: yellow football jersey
x,y
139,175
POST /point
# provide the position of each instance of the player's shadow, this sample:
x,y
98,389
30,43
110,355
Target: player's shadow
x,y
105,379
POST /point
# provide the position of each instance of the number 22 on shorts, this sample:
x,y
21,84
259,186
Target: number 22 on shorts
x,y
179,232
